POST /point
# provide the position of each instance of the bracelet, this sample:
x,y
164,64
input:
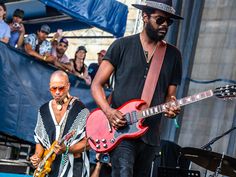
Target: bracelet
x,y
67,149
45,58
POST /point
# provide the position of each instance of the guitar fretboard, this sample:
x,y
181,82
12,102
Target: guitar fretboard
x,y
181,102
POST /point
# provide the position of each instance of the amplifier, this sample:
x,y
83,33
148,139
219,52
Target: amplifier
x,y
14,166
5,152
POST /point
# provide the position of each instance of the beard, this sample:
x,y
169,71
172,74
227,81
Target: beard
x,y
60,51
155,34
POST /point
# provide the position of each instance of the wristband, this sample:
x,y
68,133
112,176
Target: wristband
x,y
67,149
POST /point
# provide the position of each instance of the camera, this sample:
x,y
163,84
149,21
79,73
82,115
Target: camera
x,y
16,25
104,158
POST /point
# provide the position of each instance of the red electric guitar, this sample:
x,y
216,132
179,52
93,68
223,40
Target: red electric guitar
x,y
103,137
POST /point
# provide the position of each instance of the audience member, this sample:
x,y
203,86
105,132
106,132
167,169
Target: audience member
x,y
93,67
4,28
61,60
56,37
17,29
102,167
37,45
79,67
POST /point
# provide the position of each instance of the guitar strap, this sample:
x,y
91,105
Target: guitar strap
x,y
64,121
153,73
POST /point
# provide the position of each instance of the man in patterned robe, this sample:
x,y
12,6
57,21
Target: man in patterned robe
x,y
56,118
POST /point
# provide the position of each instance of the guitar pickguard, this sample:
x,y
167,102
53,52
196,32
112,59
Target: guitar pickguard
x,y
132,128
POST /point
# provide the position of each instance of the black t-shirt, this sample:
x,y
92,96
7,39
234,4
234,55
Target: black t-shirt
x,y
127,56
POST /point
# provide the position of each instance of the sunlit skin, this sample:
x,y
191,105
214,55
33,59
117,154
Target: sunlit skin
x,y
61,49
154,31
79,64
16,19
21,29
2,17
42,35
59,81
100,57
2,13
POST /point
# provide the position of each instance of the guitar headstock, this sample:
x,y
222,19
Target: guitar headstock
x,y
226,92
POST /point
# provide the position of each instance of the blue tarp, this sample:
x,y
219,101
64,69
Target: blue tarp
x,y
24,87
13,175
108,15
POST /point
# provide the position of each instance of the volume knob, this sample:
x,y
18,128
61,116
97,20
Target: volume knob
x,y
104,140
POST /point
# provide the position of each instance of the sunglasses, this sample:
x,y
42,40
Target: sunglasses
x,y
160,20
60,89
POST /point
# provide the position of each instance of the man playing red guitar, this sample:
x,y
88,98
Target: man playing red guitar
x,y
129,58
56,118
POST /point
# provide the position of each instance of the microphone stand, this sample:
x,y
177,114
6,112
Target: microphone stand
x,y
208,145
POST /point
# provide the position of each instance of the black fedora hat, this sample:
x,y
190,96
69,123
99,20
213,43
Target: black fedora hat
x,y
162,5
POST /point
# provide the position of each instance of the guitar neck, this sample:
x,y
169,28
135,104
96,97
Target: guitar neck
x,y
181,102
51,150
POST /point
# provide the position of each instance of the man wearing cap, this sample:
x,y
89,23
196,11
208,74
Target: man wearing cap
x,y
61,60
130,58
38,46
17,29
93,67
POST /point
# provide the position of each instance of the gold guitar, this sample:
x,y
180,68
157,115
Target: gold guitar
x,y
49,156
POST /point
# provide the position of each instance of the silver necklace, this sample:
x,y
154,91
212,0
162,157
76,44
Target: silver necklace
x,y
148,59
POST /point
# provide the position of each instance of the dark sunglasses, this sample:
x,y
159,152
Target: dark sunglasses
x,y
160,20
60,89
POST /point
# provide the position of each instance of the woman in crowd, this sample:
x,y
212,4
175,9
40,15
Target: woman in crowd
x,y
79,67
5,32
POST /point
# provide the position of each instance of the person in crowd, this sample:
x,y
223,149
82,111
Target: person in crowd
x,y
17,29
62,115
56,38
61,60
130,58
93,67
38,46
102,168
5,32
79,67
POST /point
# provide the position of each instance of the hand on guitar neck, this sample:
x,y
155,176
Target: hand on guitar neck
x,y
172,109
59,148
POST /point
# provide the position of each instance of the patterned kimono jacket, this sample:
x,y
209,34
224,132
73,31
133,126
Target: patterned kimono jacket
x,y
47,130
